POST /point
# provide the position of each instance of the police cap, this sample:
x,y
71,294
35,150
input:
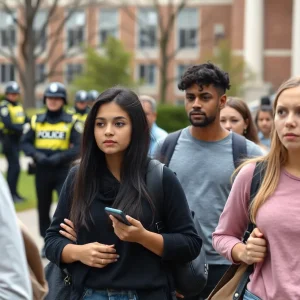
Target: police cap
x,y
12,87
92,95
56,90
81,96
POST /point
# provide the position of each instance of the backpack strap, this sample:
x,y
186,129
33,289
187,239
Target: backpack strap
x,y
154,182
168,147
258,176
239,148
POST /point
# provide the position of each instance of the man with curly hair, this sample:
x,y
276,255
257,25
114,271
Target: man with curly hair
x,y
203,157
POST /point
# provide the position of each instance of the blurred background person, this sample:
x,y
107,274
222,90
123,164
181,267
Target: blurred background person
x,y
14,274
264,121
81,108
91,97
237,117
156,133
13,121
52,140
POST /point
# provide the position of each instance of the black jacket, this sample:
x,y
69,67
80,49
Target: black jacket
x,y
138,268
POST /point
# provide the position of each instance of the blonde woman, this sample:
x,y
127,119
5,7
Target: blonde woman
x,y
273,246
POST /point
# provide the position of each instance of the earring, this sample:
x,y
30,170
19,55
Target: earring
x,y
245,131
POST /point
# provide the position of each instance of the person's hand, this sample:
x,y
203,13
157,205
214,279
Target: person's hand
x,y
179,295
68,230
55,159
97,255
256,248
40,158
134,233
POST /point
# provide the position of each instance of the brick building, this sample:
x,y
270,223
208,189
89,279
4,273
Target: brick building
x,y
265,32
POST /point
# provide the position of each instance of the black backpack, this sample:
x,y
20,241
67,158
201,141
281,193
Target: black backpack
x,y
239,148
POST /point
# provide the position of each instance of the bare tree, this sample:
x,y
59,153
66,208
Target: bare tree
x,y
166,27
35,41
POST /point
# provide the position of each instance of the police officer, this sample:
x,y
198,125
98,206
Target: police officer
x,y
13,119
52,140
91,97
81,108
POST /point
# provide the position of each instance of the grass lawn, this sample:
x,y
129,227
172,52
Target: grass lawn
x,y
26,188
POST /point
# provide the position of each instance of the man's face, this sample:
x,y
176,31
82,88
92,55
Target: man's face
x,y
151,116
54,103
81,105
12,97
203,105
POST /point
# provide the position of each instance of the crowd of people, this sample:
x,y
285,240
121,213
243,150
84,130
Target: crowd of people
x,y
110,232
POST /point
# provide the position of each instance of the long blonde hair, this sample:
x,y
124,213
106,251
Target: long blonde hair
x,y
274,160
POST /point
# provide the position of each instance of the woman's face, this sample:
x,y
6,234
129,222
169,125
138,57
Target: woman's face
x,y
264,122
287,118
231,119
112,129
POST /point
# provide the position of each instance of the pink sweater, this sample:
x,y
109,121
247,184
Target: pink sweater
x,y
278,277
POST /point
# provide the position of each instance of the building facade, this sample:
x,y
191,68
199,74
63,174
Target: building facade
x,y
265,32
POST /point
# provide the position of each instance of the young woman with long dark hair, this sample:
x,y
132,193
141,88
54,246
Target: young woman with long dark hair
x,y
273,246
111,258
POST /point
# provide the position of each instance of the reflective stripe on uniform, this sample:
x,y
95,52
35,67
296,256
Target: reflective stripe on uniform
x,y
52,136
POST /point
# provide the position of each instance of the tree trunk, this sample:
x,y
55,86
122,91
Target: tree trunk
x,y
164,70
29,70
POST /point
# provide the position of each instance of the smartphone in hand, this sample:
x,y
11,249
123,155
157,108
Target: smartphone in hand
x,y
118,214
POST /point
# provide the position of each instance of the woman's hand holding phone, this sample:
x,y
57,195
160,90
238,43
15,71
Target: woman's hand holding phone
x,y
134,233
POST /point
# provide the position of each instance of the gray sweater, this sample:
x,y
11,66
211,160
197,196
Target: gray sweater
x,y
204,170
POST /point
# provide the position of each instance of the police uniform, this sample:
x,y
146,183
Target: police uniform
x,y
80,114
53,141
13,119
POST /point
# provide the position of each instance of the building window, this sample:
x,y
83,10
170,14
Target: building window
x,y
147,74
108,24
219,32
7,73
188,27
7,30
40,72
75,29
147,20
181,69
72,71
38,30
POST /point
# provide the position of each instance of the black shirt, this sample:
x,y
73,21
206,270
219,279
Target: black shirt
x,y
137,268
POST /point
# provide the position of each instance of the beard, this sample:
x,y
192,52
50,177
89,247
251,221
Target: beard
x,y
203,123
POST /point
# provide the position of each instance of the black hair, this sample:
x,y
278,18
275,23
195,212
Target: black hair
x,y
265,101
133,170
205,74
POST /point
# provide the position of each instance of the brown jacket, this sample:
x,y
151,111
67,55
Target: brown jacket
x,y
37,276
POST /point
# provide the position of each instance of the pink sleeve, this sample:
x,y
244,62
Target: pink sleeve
x,y
234,219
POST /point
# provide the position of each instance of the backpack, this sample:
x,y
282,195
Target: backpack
x,y
190,278
239,148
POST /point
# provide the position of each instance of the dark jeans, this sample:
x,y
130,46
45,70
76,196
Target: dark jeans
x,y
47,179
11,148
215,273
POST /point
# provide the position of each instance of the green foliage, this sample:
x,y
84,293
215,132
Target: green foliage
x,y
171,118
236,67
2,97
107,70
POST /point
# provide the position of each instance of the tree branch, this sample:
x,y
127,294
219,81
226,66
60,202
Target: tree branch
x,y
11,13
57,33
